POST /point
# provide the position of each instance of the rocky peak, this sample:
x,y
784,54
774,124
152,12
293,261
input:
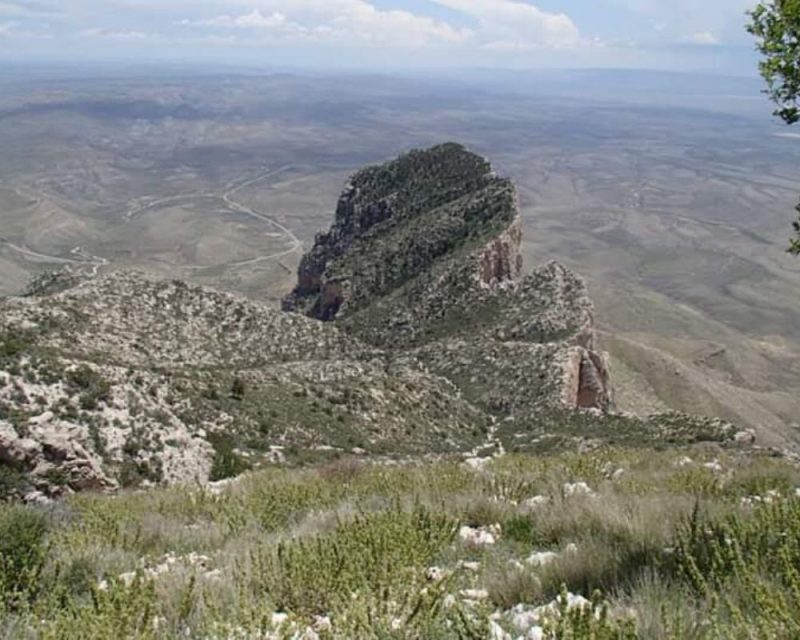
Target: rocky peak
x,y
399,219
424,256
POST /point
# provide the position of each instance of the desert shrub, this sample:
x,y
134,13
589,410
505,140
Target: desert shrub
x,y
119,611
699,482
226,463
11,480
370,554
520,528
22,552
57,477
92,386
238,388
132,472
747,567
79,576
13,343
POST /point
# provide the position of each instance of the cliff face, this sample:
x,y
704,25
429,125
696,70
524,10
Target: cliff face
x,y
501,260
424,258
398,220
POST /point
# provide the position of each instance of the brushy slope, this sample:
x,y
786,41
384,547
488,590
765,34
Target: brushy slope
x,y
688,543
127,380
130,379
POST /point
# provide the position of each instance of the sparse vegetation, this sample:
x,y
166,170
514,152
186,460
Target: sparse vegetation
x,y
162,382
358,550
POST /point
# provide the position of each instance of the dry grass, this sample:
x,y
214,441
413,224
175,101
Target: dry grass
x,y
355,542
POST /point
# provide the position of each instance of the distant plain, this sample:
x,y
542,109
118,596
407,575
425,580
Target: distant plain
x,y
671,195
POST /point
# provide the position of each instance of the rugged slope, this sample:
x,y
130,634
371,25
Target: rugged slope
x,y
424,256
124,379
439,344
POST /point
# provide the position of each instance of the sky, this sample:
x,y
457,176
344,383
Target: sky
x,y
679,35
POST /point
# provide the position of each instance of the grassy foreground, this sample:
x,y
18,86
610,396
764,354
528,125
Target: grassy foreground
x,y
671,544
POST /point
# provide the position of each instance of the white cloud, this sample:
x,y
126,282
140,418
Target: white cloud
x,y
120,36
338,21
254,19
368,23
497,25
21,9
516,26
695,21
17,31
705,38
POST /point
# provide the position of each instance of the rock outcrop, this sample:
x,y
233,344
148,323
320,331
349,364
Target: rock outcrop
x,y
52,460
424,258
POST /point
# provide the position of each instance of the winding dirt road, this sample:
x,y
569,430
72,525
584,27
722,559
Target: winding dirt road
x,y
240,208
83,258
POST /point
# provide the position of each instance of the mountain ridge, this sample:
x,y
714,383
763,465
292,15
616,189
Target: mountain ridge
x,y
442,346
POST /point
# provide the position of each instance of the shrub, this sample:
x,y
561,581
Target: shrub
x,y
13,343
520,529
747,567
22,552
11,480
93,387
237,388
227,463
369,555
120,611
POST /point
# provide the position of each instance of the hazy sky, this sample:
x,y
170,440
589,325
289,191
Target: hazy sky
x,y
699,35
